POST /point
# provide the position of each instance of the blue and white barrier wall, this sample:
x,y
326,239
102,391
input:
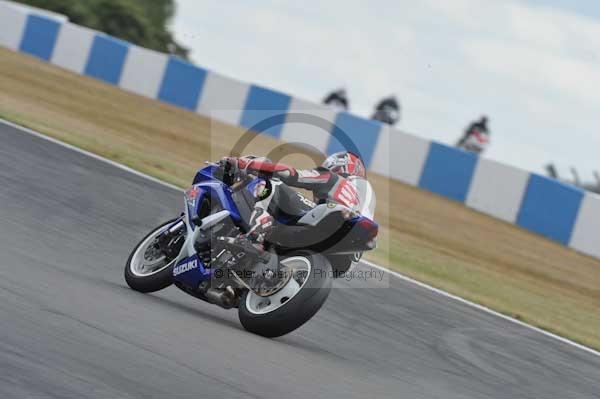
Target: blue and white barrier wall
x,y
556,210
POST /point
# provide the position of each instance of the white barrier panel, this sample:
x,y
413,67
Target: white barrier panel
x,y
497,189
400,155
381,157
586,235
143,71
223,98
313,129
12,25
73,47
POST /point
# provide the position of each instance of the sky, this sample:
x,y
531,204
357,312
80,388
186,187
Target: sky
x,y
532,66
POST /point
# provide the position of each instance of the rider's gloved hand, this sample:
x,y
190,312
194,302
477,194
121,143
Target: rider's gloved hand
x,y
229,164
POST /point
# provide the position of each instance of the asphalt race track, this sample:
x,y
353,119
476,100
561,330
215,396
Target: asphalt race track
x,y
71,328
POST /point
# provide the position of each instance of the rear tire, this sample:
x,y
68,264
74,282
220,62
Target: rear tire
x,y
340,264
296,311
155,281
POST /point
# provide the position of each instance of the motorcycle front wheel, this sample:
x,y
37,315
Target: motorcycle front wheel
x,y
148,269
295,303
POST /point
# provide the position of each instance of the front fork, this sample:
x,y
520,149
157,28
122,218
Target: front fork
x,y
171,240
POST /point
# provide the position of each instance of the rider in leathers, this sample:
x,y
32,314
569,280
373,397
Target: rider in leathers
x,y
328,183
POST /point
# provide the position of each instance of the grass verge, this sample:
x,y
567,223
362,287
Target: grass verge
x,y
429,238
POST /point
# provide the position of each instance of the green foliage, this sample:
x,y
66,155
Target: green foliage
x,y
143,22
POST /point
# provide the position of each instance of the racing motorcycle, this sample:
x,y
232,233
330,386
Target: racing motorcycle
x,y
387,115
475,142
277,286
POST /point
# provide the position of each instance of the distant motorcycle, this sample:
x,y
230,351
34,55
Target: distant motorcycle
x,y
389,116
387,111
205,253
475,142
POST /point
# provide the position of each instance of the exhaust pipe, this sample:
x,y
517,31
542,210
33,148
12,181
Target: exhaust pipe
x,y
224,298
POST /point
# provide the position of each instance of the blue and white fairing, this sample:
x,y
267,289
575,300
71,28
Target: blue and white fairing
x,y
189,268
191,271
216,192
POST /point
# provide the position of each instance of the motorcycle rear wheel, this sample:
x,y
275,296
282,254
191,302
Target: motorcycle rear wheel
x,y
296,303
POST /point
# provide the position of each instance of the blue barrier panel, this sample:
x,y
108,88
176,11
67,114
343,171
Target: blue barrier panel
x,y
182,84
40,36
448,171
550,208
107,58
355,134
265,111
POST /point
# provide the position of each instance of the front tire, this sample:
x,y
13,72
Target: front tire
x,y
157,277
288,313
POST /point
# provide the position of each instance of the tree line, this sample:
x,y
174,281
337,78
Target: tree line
x,y
143,22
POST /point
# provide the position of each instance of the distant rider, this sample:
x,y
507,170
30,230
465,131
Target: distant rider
x,y
387,111
338,100
479,133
